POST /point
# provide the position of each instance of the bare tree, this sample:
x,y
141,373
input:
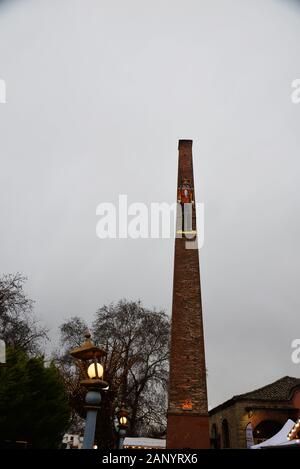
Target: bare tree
x,y
18,325
136,366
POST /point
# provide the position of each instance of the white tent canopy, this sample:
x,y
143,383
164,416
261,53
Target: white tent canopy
x,y
281,438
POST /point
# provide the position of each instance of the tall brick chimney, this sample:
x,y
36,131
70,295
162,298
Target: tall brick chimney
x,y
187,411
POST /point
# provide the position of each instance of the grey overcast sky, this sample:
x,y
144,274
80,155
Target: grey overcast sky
x,y
98,94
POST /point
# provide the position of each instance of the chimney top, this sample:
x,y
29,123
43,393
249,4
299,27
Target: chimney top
x,y
185,143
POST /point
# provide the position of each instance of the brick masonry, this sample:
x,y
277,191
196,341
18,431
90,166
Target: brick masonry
x,y
188,425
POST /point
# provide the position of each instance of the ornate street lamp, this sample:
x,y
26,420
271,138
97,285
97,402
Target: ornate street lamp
x,y
93,371
123,425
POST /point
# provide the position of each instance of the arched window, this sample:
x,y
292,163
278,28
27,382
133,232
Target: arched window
x,y
214,437
265,430
225,434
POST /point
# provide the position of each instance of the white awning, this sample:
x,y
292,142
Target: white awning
x,y
281,438
145,442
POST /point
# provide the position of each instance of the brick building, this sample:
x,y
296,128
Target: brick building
x,y
265,410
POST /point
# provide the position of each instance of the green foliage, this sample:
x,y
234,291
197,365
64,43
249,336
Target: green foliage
x,y
33,402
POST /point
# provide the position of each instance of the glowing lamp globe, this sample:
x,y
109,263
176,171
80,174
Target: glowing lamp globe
x,y
123,420
95,370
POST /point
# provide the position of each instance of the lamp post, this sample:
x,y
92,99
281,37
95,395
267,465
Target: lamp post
x,y
93,371
123,425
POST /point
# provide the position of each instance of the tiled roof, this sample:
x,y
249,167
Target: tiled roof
x,y
279,390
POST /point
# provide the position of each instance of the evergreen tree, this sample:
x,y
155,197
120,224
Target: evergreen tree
x,y
33,402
